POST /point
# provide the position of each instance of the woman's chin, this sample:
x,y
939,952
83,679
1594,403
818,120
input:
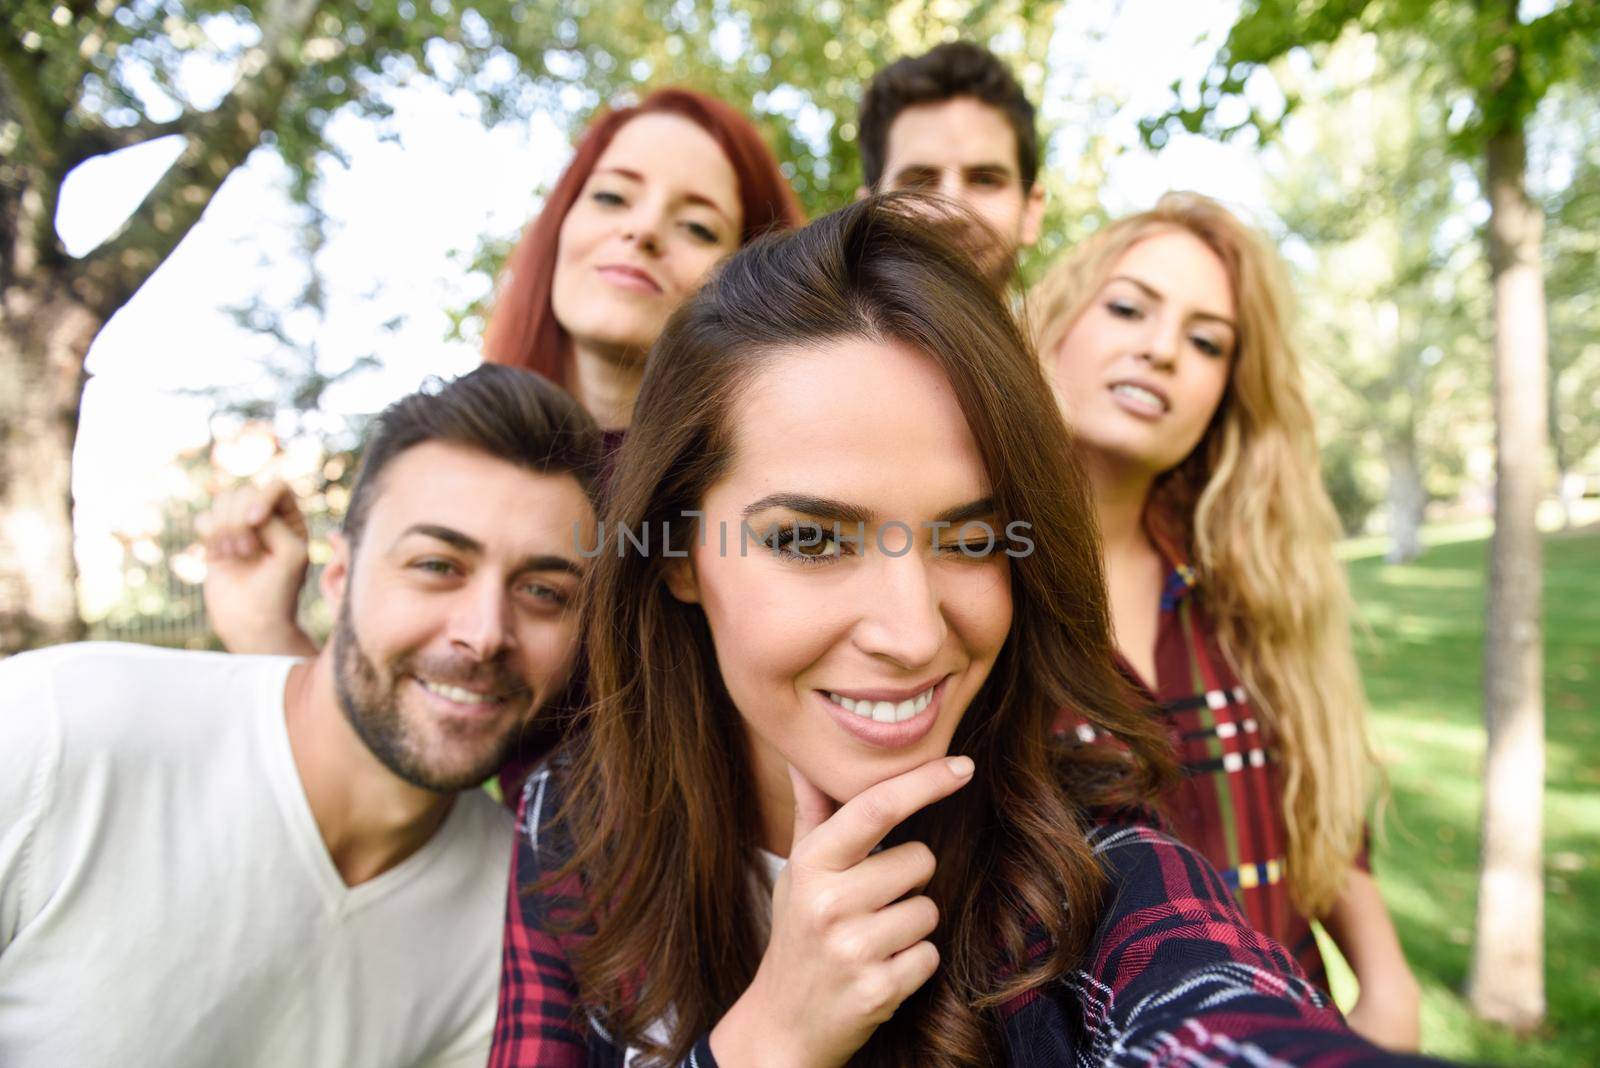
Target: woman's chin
x,y
623,334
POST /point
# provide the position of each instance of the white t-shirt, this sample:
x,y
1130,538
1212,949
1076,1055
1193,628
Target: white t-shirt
x,y
166,898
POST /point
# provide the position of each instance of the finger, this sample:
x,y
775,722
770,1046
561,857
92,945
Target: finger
x,y
281,540
812,807
889,875
913,966
288,509
222,523
880,935
274,498
852,832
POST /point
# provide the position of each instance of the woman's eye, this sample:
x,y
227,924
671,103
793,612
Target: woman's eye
x,y
1123,310
1207,346
702,232
608,198
806,543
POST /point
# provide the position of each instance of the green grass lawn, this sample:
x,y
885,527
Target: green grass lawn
x,y
1423,666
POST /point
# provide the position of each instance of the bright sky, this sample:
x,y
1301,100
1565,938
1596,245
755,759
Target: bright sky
x,y
404,214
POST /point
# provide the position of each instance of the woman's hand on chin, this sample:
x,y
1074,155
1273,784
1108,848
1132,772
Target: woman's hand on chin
x,y
845,950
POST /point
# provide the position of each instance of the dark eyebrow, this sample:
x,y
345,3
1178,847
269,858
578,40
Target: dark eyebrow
x,y
548,562
457,540
965,513
914,170
1155,294
821,507
692,198
453,538
851,514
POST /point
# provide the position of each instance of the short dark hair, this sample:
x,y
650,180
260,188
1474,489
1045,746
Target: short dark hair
x,y
959,68
513,415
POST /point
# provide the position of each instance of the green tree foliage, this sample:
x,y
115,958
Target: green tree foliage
x,y
1393,281
1499,67
83,78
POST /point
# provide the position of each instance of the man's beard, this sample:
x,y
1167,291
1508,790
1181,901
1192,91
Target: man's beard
x,y
371,703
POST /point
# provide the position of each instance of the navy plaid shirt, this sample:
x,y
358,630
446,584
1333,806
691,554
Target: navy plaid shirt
x,y
1173,976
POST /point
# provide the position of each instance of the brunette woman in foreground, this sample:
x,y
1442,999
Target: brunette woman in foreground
x,y
853,626
656,194
1166,336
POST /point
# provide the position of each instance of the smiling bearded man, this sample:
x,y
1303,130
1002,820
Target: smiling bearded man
x,y
249,860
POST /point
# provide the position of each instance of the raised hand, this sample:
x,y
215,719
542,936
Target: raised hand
x,y
257,552
847,945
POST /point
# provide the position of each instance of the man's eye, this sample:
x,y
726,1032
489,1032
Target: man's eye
x,y
435,567
543,594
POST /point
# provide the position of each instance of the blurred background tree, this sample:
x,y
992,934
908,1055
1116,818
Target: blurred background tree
x,y
1497,65
84,78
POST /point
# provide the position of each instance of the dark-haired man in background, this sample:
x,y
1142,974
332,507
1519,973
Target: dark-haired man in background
x,y
954,121
243,860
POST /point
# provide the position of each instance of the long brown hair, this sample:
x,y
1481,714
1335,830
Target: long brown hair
x,y
661,805
1250,508
522,330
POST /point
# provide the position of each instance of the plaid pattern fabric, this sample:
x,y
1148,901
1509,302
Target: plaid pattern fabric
x,y
1228,804
1173,976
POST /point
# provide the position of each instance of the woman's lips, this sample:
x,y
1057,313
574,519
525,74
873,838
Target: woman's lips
x,y
630,278
1140,399
885,735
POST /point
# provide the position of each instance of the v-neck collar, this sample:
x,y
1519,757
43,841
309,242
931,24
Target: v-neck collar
x,y
289,791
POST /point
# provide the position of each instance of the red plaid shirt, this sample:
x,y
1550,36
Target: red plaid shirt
x,y
1229,803
1173,976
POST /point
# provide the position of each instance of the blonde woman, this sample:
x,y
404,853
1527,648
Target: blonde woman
x,y
1166,339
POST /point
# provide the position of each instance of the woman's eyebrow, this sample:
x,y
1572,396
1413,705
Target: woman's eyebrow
x,y
705,201
981,508
843,511
1155,294
806,504
692,198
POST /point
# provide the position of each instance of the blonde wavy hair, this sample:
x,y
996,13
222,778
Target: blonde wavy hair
x,y
1250,506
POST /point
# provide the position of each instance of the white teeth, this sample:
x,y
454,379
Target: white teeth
x,y
885,711
1139,393
456,693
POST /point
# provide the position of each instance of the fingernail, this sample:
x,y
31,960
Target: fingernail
x,y
960,766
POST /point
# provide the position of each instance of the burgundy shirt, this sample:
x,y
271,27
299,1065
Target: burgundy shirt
x,y
1173,975
1228,804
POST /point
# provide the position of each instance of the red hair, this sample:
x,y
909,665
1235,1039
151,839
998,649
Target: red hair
x,y
522,329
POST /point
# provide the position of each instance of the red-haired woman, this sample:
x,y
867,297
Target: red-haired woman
x,y
656,194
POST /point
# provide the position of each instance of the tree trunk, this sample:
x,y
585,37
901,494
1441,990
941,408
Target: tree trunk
x,y
1507,979
1407,500
44,337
